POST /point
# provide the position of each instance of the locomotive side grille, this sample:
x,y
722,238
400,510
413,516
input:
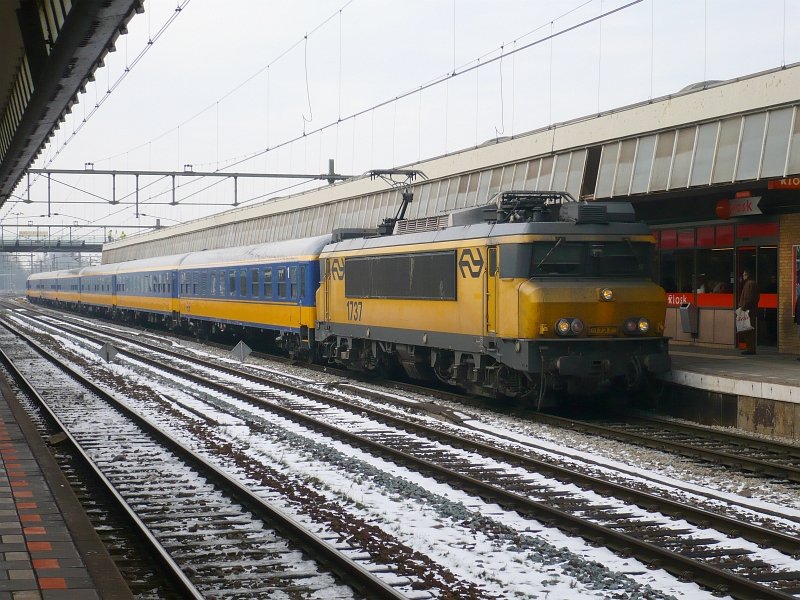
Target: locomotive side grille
x,y
424,224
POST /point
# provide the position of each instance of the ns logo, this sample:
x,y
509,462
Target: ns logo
x,y
470,262
337,268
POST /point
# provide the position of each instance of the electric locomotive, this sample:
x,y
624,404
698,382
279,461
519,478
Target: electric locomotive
x,y
532,292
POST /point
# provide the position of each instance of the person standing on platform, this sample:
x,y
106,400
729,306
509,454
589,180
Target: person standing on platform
x,y
748,300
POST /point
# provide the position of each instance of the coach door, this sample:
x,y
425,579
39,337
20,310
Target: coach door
x,y
326,290
492,275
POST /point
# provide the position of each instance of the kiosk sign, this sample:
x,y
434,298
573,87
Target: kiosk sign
x,y
674,300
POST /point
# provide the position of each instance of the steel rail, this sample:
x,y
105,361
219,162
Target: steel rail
x,y
677,564
185,585
350,572
754,465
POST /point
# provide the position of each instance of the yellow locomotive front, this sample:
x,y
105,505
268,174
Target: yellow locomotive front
x,y
588,314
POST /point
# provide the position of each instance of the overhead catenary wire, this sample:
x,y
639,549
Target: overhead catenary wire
x,y
440,80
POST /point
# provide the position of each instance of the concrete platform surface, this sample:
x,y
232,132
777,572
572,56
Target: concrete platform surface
x,y
766,375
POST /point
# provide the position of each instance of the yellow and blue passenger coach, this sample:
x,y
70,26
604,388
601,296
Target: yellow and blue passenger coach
x,y
529,293
263,290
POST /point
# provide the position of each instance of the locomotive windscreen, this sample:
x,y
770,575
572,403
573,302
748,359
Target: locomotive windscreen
x,y
591,259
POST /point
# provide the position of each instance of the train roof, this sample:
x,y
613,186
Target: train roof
x,y
55,274
514,213
302,248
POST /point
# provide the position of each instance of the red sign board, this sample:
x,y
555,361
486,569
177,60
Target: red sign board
x,y
788,183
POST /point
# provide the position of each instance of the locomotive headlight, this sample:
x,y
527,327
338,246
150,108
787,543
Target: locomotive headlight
x,y
607,294
562,326
576,326
569,326
636,326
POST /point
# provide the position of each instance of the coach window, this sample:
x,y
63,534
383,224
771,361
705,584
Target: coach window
x,y
222,283
231,283
281,282
254,283
242,283
204,284
293,282
268,282
302,282
213,283
196,283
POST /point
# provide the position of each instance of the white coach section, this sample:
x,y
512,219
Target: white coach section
x,y
738,130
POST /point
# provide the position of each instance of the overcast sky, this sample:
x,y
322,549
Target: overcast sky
x,y
227,80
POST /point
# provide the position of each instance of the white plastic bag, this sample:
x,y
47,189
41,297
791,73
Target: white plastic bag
x,y
743,320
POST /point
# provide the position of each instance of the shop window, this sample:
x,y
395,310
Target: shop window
x,y
677,271
715,277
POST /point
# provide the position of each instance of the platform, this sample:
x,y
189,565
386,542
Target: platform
x,y
720,386
48,548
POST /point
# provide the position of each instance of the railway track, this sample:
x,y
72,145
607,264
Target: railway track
x,y
217,538
655,530
740,451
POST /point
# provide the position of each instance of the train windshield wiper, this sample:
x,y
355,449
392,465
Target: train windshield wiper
x,y
546,256
639,265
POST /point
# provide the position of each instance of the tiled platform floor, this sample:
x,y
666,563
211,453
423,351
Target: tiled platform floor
x,y
48,549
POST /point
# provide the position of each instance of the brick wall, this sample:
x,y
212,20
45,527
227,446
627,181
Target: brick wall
x,y
788,332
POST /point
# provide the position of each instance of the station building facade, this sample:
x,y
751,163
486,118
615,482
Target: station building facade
x,y
715,171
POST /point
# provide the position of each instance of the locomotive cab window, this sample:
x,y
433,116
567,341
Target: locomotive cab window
x,y
591,259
